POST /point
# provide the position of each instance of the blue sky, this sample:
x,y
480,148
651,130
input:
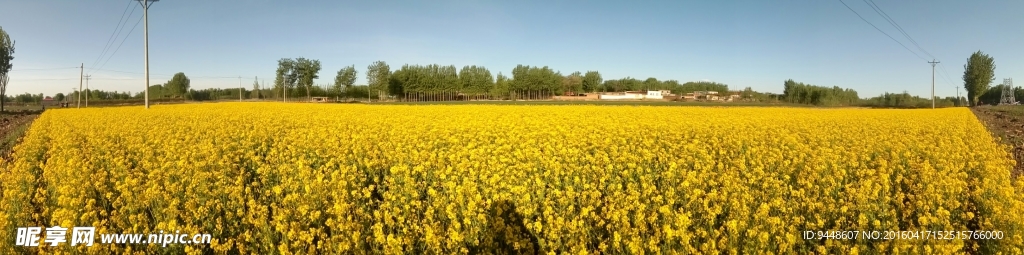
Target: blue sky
x,y
741,43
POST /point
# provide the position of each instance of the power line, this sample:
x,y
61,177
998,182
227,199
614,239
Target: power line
x,y
117,30
170,75
43,69
108,70
945,74
896,25
128,79
212,77
115,79
122,43
880,12
880,30
66,79
46,79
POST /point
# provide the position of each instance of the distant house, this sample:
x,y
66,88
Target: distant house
x,y
733,96
654,94
628,95
320,99
48,101
702,95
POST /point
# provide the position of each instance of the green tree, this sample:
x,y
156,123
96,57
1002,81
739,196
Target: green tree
x,y
591,81
651,83
25,98
6,56
449,81
519,84
345,79
475,81
905,100
631,84
155,91
255,88
611,86
285,79
573,83
748,93
306,71
177,86
378,76
404,82
671,85
59,97
501,87
800,93
979,72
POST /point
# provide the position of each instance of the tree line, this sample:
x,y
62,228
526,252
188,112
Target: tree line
x,y
437,82
295,74
905,100
24,98
294,78
993,94
800,93
448,82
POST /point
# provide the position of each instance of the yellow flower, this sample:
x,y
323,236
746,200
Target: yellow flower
x,y
389,179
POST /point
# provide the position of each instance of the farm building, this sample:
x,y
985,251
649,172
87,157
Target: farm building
x,y
733,96
658,94
636,95
628,95
49,102
702,95
713,96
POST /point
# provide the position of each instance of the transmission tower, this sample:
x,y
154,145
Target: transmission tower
x,y
1007,97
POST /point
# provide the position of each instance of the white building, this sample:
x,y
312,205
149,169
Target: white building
x,y
654,94
636,95
621,96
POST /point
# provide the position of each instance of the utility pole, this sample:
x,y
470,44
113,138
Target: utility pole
x,y
81,74
958,101
933,62
87,77
145,16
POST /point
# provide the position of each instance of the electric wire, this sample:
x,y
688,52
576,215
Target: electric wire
x,y
113,34
43,69
896,25
122,43
880,30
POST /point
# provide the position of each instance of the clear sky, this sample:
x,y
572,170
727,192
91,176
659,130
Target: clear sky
x,y
751,43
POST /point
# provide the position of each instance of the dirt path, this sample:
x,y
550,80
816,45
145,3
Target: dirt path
x,y
12,127
1006,122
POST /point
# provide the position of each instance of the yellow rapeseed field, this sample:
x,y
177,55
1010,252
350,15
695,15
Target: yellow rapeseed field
x,y
275,178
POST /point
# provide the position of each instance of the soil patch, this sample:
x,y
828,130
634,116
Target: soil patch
x,y
12,127
1007,122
